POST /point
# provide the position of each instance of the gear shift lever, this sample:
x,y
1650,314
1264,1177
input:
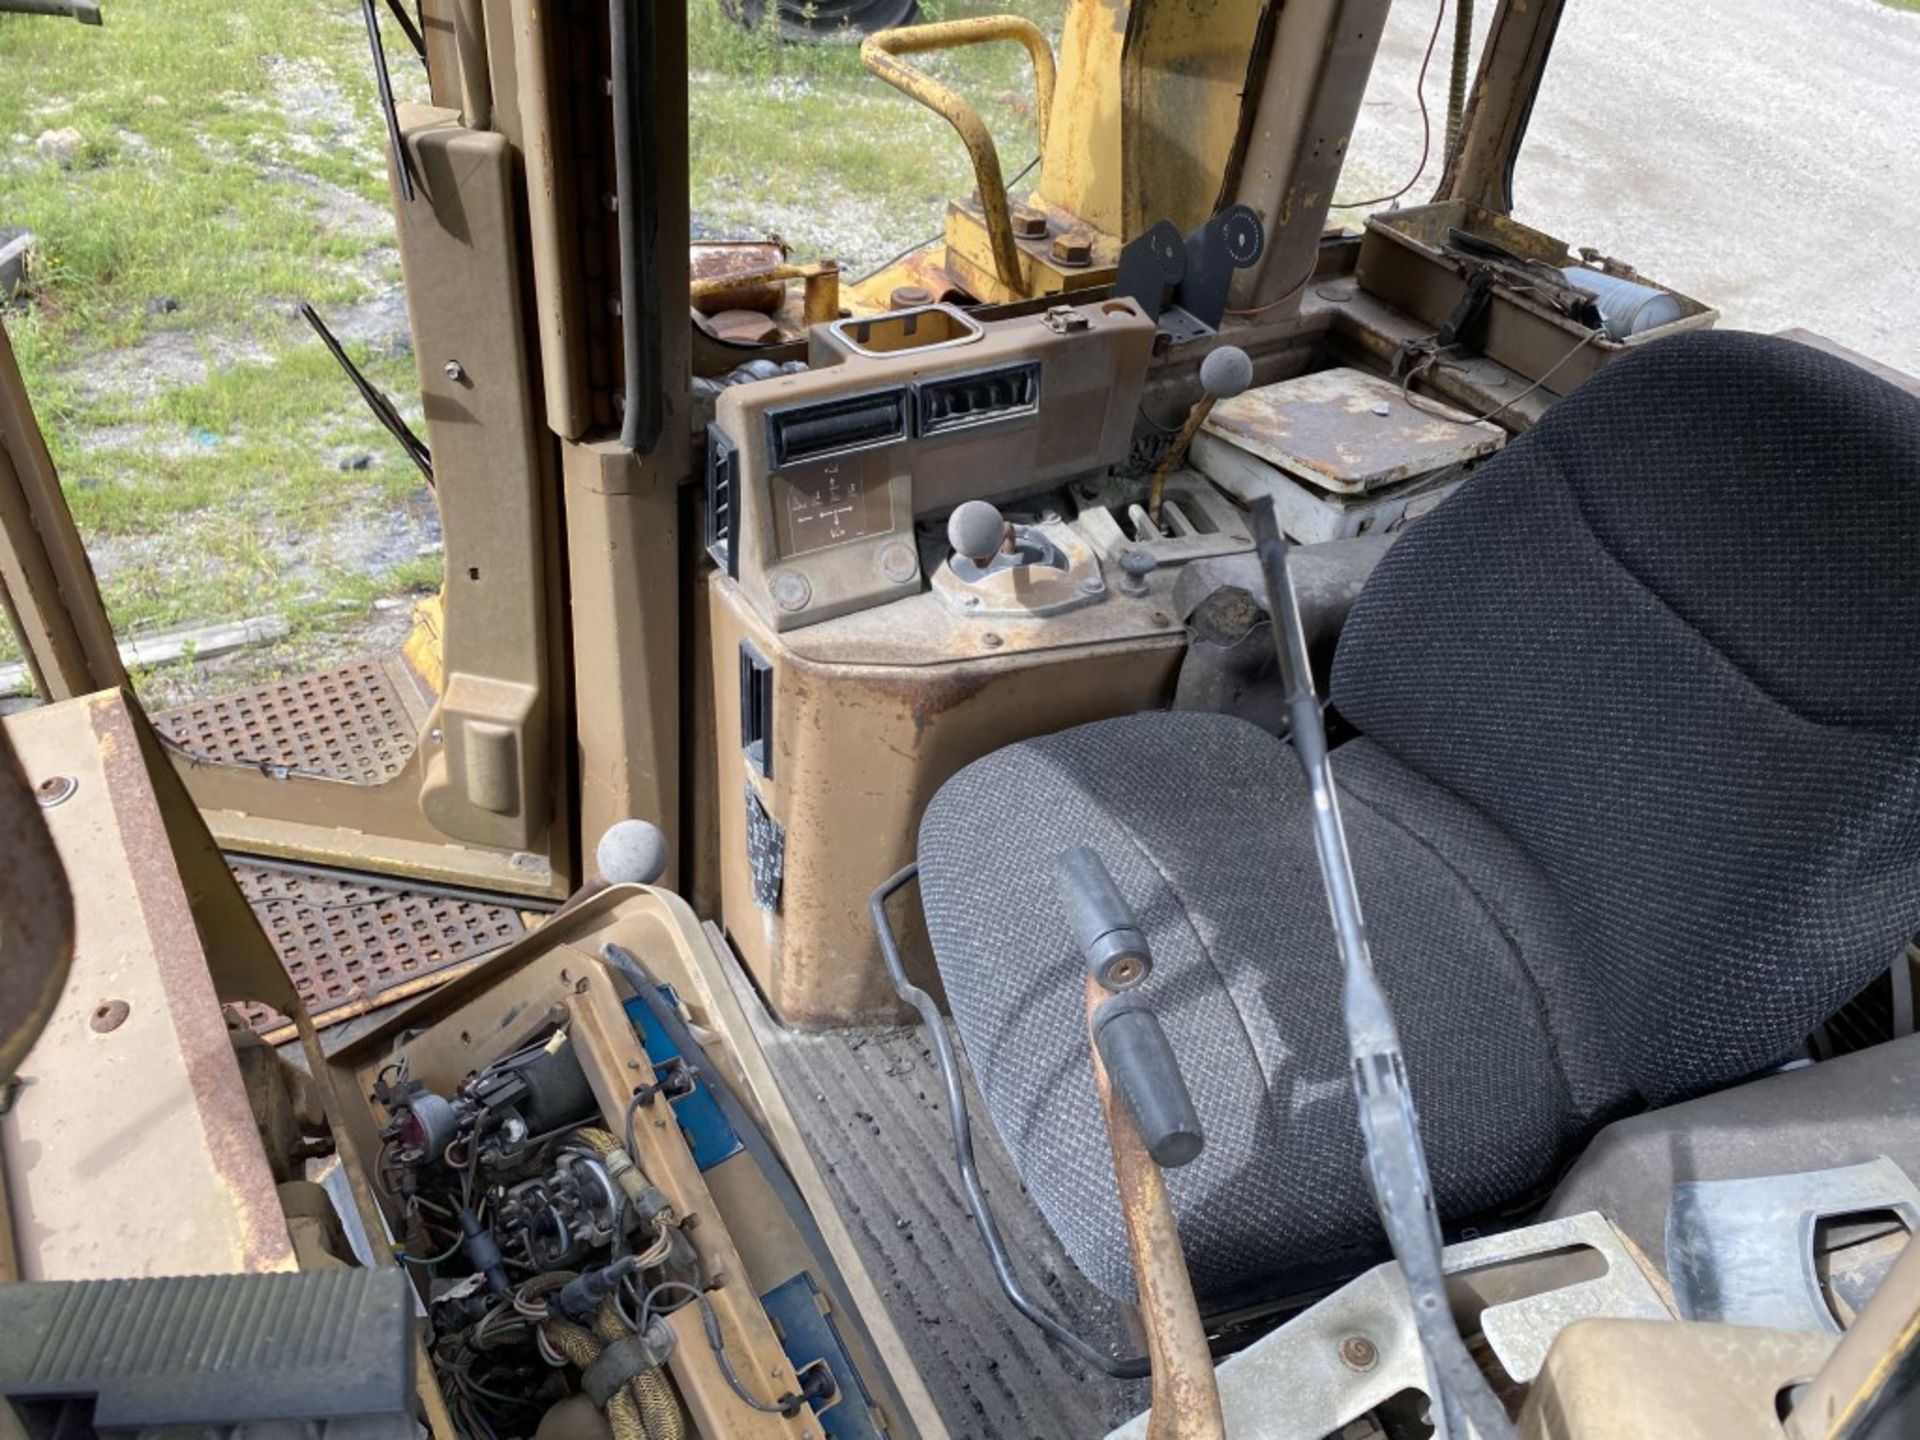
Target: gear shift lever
x,y
1224,373
978,531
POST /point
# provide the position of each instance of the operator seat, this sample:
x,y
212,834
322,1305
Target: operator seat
x,y
1634,807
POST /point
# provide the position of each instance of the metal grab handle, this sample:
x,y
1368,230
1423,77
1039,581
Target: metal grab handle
x,y
881,53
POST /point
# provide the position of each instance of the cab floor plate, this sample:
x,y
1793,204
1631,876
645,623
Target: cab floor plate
x,y
868,1102
353,944
350,724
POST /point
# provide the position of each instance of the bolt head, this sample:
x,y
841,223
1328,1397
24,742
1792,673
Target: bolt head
x,y
1357,1352
1028,223
1073,248
55,790
454,371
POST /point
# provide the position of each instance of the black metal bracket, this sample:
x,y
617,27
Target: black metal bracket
x,y
1182,280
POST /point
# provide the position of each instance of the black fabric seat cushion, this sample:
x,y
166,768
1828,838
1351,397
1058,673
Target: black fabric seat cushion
x,y
1202,821
1669,643
1637,807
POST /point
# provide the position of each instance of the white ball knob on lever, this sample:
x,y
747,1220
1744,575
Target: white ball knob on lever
x,y
632,852
978,531
1224,373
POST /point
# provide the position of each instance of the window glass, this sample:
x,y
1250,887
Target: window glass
x,y
797,139
189,173
1760,158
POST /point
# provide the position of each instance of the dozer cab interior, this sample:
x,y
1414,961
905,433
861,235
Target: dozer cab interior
x,y
1162,818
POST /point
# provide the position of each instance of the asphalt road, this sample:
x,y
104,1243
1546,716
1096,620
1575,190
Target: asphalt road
x,y
1762,156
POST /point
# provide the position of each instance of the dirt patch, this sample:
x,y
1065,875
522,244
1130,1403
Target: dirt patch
x,y
171,442
116,555
164,360
861,235
320,118
378,322
336,209
368,539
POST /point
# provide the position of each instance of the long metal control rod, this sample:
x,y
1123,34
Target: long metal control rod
x,y
1396,1164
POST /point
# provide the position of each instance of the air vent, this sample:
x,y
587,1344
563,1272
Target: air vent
x,y
982,397
756,709
810,432
723,499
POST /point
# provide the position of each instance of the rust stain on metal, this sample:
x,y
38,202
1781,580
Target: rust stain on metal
x,y
744,327
347,724
730,275
1186,1399
352,946
1348,431
227,1122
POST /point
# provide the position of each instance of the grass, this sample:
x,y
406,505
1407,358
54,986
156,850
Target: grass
x,y
230,164
228,167
802,141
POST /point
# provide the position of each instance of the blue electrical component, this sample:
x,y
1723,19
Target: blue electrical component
x,y
709,1136
808,1335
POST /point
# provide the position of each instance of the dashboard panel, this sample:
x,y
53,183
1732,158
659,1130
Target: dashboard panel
x,y
815,479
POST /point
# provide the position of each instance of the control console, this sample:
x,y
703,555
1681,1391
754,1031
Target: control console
x,y
814,480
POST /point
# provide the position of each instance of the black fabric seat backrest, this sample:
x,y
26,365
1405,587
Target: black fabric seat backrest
x,y
1669,641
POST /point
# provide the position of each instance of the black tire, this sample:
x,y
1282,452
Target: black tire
x,y
826,20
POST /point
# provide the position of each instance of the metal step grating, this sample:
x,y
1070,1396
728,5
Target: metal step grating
x,y
353,945
349,724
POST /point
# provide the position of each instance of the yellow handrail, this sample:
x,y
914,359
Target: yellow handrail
x,y
881,53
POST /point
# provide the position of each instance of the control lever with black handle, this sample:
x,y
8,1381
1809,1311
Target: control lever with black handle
x,y
1151,1127
1132,1043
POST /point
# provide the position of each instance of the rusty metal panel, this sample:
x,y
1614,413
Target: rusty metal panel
x,y
353,945
1348,431
348,724
130,1147
1411,259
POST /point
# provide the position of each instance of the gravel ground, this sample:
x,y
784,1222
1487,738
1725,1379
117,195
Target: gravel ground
x,y
1762,156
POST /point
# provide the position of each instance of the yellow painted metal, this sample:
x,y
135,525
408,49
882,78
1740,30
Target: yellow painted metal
x,y
1080,152
1150,111
968,258
882,54
1181,82
422,650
